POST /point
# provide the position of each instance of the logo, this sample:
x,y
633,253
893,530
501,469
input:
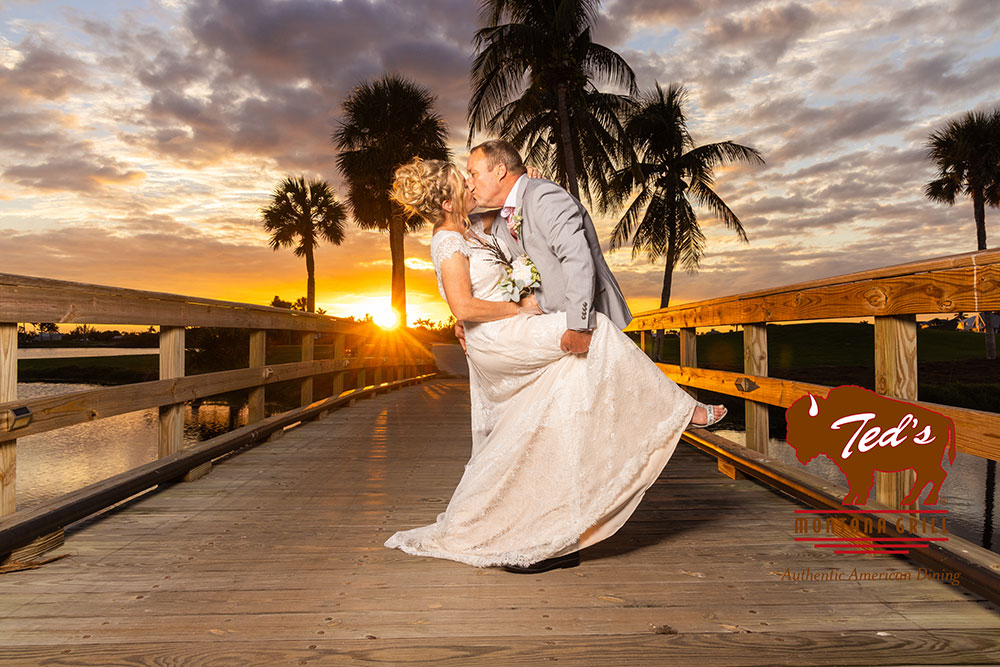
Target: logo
x,y
863,432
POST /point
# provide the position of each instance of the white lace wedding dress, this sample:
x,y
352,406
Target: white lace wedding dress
x,y
563,447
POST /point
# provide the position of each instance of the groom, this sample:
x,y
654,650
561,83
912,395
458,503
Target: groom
x,y
553,228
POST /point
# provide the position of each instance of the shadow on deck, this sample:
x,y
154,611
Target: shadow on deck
x,y
277,558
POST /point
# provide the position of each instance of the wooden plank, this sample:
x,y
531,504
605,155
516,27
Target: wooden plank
x,y
171,432
84,406
8,393
895,376
18,528
689,353
308,354
716,649
755,364
31,299
258,359
339,341
958,283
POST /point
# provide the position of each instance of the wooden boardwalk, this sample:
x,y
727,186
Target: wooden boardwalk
x,y
276,557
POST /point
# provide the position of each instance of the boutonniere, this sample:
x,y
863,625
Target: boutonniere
x,y
514,223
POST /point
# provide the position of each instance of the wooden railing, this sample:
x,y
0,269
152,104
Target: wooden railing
x,y
893,296
379,361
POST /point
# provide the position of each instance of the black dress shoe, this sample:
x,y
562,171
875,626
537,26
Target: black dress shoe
x,y
567,560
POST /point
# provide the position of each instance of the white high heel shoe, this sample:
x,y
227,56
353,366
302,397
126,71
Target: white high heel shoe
x,y
713,418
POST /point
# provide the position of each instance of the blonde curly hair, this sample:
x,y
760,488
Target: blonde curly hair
x,y
422,186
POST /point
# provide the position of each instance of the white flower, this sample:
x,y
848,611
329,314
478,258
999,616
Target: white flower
x,y
521,272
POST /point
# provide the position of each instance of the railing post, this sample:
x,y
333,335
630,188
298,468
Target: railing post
x,y
895,376
8,453
646,343
338,353
258,355
362,355
755,363
308,354
689,354
171,366
8,392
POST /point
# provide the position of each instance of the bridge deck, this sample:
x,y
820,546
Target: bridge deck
x,y
276,557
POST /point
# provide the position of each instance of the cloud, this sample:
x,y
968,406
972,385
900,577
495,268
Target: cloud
x,y
43,72
769,32
82,174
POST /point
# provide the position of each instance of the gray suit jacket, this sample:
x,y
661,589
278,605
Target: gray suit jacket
x,y
559,237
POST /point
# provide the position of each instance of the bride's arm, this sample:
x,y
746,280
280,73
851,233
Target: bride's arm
x,y
458,291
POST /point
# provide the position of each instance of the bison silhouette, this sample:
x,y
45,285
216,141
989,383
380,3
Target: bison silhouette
x,y
861,432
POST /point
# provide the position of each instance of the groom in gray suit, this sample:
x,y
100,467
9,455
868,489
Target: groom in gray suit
x,y
544,221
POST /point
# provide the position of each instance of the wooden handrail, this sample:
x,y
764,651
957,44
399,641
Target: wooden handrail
x,y
957,283
78,407
31,299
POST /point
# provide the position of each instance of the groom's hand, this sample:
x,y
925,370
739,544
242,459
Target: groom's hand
x,y
460,334
575,342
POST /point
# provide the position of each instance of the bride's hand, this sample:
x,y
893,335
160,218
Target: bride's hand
x,y
532,172
529,306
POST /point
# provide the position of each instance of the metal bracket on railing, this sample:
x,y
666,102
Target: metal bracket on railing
x,y
20,417
746,385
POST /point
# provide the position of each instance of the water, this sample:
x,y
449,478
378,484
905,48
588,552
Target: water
x,y
74,352
57,462
963,492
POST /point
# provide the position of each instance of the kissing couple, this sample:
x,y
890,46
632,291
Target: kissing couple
x,y
571,422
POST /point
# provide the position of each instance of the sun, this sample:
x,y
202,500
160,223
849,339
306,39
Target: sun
x,y
387,319
380,310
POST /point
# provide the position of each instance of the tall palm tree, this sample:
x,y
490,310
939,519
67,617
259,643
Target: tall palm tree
x,y
966,152
387,122
668,175
533,84
302,214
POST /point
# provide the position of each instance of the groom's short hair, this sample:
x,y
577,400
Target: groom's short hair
x,y
498,151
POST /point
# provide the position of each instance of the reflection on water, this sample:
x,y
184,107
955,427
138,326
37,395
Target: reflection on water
x,y
968,493
53,463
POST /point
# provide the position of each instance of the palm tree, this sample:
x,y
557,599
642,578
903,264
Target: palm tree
x,y
669,173
302,214
533,84
387,122
967,154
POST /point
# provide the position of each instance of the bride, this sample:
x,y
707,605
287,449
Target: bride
x,y
563,446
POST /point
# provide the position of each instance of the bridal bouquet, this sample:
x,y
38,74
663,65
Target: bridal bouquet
x,y
521,276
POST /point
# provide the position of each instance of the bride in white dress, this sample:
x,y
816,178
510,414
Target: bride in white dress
x,y
563,446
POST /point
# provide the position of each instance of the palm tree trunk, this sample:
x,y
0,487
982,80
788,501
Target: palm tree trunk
x,y
310,280
398,269
979,210
567,141
668,273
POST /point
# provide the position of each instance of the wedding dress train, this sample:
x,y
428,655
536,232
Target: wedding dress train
x,y
563,447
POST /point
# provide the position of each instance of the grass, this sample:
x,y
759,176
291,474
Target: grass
x,y
91,370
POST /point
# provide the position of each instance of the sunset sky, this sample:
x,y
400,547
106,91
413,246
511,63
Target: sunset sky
x,y
138,140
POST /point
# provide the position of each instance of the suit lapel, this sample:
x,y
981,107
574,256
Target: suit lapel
x,y
501,232
519,208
